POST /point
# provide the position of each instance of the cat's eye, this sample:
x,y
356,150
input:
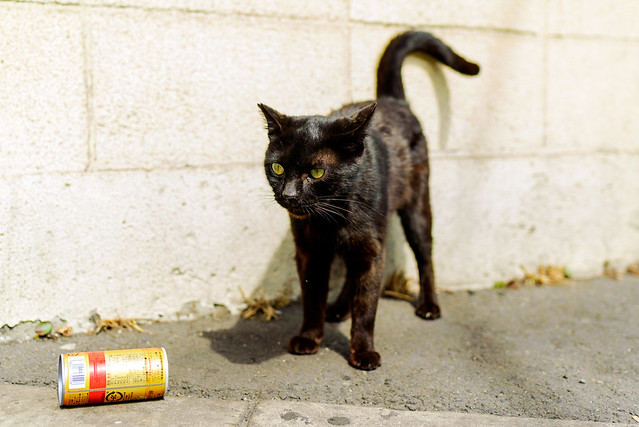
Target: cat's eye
x,y
317,173
277,169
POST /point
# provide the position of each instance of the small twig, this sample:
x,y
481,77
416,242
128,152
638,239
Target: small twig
x,y
398,295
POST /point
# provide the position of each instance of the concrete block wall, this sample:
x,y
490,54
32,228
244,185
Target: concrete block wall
x,y
131,181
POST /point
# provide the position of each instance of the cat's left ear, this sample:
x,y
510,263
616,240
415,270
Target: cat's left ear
x,y
358,121
274,119
363,116
349,132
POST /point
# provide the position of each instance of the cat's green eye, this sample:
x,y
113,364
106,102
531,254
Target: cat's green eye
x,y
317,173
277,169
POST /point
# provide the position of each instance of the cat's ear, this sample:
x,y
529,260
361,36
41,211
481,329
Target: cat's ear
x,y
274,119
350,132
362,118
356,122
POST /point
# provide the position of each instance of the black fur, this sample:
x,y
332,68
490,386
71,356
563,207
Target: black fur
x,y
375,162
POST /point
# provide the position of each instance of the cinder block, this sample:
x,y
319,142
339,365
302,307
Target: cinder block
x,y
611,18
43,118
493,215
592,94
181,89
522,15
139,244
146,244
498,111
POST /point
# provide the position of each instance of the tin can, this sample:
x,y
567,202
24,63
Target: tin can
x,y
112,376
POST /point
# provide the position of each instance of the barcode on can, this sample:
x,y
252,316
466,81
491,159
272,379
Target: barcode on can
x,y
77,372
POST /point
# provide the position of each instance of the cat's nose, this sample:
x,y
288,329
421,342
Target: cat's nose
x,y
290,190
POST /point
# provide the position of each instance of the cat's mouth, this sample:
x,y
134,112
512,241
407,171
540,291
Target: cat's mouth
x,y
297,210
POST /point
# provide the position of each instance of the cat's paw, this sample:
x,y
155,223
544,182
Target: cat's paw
x,y
428,311
366,360
336,313
302,345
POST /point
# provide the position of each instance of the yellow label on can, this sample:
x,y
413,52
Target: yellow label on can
x,y
112,376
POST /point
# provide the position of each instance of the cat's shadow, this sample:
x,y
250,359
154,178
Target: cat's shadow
x,y
253,341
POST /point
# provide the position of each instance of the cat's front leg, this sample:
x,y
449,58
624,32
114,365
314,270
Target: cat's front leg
x,y
313,267
366,278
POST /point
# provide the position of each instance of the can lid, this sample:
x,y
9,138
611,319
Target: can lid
x,y
166,369
61,375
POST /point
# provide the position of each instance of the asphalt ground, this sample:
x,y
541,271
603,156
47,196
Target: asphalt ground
x,y
564,355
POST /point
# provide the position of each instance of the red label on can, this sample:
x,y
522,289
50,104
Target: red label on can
x,y
97,377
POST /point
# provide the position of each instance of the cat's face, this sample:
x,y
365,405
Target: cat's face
x,y
311,161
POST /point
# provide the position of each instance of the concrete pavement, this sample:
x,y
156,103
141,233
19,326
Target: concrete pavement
x,y
563,355
29,406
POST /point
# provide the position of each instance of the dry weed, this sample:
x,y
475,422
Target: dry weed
x,y
113,324
611,272
545,275
45,330
397,287
65,331
633,269
263,308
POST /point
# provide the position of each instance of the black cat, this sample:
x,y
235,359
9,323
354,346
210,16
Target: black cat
x,y
341,177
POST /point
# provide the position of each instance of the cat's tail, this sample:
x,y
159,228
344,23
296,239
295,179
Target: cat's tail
x,y
389,73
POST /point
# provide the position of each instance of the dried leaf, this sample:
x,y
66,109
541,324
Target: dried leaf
x,y
611,272
633,269
259,306
118,323
545,275
131,323
397,287
398,295
65,331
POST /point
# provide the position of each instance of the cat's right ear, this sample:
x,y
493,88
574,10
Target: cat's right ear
x,y
274,119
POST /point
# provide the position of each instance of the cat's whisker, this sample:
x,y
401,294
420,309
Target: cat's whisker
x,y
266,201
263,195
332,199
328,216
350,201
331,209
338,210
320,212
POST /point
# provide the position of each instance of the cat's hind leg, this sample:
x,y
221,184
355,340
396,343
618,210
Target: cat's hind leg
x,y
340,309
417,222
